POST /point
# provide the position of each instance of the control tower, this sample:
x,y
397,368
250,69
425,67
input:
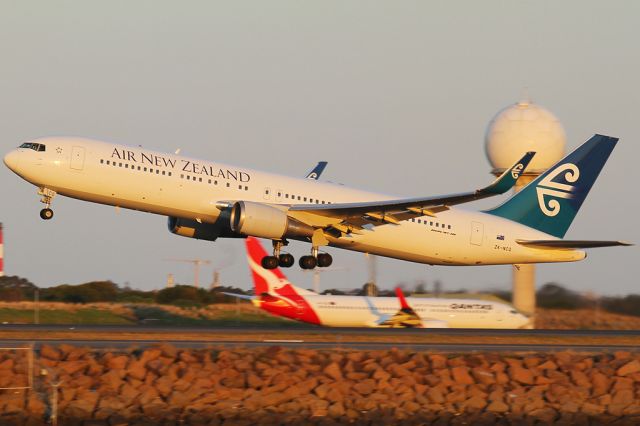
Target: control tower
x,y
515,130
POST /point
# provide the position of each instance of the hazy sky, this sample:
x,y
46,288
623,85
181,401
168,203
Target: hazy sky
x,y
395,95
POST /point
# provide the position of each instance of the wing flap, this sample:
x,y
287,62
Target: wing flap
x,y
570,244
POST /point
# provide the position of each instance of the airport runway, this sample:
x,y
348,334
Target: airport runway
x,y
437,347
446,340
232,330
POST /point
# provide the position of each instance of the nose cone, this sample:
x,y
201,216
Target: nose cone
x,y
12,160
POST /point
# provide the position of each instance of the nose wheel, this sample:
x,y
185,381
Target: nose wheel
x,y
47,197
46,214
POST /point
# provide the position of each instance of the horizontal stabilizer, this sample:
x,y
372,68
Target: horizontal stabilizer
x,y
570,244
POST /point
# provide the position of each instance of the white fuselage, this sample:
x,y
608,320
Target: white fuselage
x,y
362,311
172,185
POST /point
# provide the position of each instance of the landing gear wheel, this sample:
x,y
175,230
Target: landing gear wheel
x,y
308,262
269,262
285,260
46,214
324,260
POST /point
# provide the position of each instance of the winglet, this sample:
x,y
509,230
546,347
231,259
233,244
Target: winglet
x,y
509,177
401,298
317,170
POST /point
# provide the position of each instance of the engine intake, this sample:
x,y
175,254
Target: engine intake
x,y
265,221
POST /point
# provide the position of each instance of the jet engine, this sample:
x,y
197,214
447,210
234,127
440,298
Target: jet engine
x,y
200,231
265,221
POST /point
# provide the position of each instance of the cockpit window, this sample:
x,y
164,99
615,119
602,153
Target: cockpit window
x,y
34,146
513,311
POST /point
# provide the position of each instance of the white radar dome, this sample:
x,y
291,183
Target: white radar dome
x,y
524,127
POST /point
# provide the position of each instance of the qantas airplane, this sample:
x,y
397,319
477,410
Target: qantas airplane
x,y
275,294
210,200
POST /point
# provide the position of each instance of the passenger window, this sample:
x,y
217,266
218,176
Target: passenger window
x,y
228,185
145,169
120,165
431,223
200,180
449,226
246,188
157,171
209,181
169,173
163,173
239,186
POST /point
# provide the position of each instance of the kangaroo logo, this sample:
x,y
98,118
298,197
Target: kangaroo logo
x,y
547,186
515,172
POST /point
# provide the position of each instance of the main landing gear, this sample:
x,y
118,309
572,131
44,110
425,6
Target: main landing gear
x,y
286,260
47,197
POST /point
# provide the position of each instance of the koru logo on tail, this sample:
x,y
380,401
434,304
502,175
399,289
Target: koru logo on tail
x,y
515,172
547,186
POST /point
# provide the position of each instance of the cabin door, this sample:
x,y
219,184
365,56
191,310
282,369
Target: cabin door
x,y
477,233
77,158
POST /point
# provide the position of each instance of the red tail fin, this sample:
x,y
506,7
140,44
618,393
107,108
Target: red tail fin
x,y
262,278
403,301
273,284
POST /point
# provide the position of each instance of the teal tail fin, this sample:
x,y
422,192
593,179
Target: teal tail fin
x,y
551,202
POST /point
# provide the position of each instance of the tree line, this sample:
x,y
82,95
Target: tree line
x,y
16,289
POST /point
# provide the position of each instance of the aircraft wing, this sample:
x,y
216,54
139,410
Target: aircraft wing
x,y
240,296
570,244
350,217
317,170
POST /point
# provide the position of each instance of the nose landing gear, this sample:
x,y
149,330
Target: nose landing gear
x,y
46,214
47,197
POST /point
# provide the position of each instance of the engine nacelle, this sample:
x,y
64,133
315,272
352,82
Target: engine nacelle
x,y
265,221
194,229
